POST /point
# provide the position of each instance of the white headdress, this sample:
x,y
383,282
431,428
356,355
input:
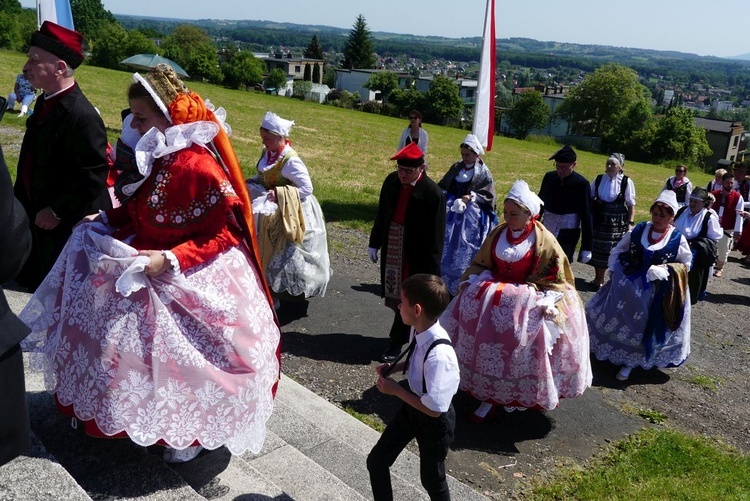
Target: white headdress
x,y
668,197
274,123
472,142
520,192
618,157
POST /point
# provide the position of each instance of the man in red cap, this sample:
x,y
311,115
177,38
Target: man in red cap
x,y
409,230
62,168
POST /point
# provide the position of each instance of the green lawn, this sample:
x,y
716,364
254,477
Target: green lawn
x,y
346,151
656,465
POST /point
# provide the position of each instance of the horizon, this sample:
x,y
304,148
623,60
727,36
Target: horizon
x,y
641,24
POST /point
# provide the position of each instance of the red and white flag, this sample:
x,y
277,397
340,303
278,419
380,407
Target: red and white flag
x,y
484,109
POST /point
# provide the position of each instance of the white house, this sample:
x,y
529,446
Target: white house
x,y
353,80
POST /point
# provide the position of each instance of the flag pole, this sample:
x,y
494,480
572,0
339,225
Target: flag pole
x,y
484,109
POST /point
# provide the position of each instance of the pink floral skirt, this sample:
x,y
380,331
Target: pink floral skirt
x,y
176,359
509,354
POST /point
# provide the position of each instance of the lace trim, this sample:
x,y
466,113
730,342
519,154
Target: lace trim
x,y
155,145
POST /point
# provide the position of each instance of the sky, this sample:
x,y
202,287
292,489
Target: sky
x,y
703,28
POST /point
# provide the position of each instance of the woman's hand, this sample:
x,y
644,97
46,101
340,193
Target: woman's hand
x,y
91,218
271,195
158,262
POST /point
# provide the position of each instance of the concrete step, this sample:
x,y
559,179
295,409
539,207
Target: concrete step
x,y
38,476
313,451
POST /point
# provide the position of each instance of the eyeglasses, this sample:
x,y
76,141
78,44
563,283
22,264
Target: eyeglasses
x,y
561,165
405,170
610,164
680,171
413,118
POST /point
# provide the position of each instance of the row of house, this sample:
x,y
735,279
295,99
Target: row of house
x,y
724,137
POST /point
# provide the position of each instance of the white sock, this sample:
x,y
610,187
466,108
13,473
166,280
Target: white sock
x,y
483,409
24,109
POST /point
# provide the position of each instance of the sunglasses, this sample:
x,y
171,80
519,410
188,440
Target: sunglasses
x,y
678,171
413,118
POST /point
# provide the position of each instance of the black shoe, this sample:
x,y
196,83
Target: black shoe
x,y
392,353
594,285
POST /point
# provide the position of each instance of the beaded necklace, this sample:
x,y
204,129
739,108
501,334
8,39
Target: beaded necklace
x,y
523,236
654,241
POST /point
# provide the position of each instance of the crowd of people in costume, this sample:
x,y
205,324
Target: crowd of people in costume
x,y
155,288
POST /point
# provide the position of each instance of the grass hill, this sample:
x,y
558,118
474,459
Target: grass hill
x,y
346,151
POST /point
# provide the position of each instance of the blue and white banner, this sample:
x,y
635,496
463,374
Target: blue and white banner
x,y
57,11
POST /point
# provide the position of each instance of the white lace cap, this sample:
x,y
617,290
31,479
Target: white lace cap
x,y
520,192
670,198
472,142
274,123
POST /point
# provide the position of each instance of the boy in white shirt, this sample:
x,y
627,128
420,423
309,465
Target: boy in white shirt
x,y
426,413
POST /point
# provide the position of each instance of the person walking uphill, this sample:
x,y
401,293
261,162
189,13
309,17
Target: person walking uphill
x,y
409,229
156,322
62,167
426,411
567,205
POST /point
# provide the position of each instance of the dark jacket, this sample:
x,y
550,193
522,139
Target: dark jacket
x,y
424,225
15,243
481,183
62,165
569,195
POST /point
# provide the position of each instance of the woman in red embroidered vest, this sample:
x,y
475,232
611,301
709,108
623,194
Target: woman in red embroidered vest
x,y
291,228
156,323
641,317
517,324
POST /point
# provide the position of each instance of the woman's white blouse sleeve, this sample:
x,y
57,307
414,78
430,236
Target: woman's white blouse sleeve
x,y
295,170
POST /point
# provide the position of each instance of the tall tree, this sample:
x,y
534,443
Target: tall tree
x,y
528,112
242,69
114,43
316,74
384,81
90,16
191,48
313,50
602,100
307,75
443,98
276,79
16,25
359,49
679,138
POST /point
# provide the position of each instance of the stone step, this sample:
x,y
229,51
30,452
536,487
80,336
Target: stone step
x,y
313,451
38,476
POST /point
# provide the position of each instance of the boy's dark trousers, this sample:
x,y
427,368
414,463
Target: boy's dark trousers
x,y
434,436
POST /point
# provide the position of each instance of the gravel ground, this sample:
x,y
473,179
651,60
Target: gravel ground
x,y
327,348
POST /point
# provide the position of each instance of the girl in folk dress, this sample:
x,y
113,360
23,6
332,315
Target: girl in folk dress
x,y
641,317
517,324
291,228
156,322
469,210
